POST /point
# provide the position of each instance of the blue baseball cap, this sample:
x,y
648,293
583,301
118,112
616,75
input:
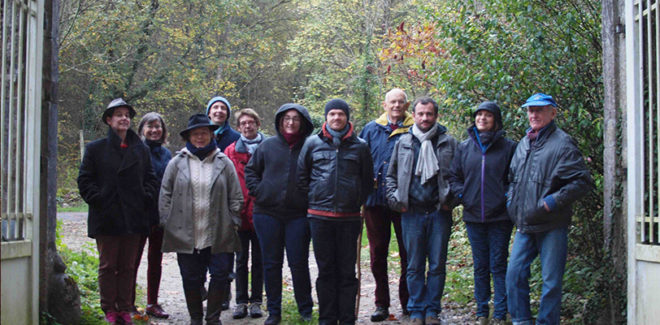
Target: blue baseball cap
x,y
540,99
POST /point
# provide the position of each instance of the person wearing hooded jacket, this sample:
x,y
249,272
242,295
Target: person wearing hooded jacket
x,y
335,168
479,179
118,182
218,110
280,209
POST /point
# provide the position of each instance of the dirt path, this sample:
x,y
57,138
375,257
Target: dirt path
x,y
74,235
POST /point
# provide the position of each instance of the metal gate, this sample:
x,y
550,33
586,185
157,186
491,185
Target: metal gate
x,y
643,158
20,122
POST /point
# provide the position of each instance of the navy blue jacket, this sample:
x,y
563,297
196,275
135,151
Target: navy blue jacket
x,y
479,176
227,137
381,139
160,156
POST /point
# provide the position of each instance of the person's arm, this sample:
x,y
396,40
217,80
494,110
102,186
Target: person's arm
x,y
234,192
166,189
456,177
89,190
391,186
304,166
572,172
254,171
366,173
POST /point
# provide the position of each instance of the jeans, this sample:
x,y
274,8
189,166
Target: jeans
x,y
490,249
193,267
551,247
335,249
275,235
247,237
426,236
379,221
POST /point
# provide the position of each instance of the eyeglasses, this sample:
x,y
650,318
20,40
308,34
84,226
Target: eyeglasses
x,y
287,119
248,123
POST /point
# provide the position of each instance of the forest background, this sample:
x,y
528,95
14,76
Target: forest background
x,y
171,57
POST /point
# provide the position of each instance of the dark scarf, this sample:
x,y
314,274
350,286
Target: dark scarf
x,y
292,139
201,153
152,144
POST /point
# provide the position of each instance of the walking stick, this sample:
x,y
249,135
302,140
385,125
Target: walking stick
x,y
359,272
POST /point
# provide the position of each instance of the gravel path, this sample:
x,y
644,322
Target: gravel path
x,y
74,235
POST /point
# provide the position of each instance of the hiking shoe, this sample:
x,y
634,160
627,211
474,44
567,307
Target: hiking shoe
x,y
497,321
240,311
126,318
416,321
255,310
157,311
273,320
432,320
481,320
381,314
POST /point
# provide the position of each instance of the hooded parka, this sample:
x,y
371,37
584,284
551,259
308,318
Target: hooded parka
x,y
479,176
270,175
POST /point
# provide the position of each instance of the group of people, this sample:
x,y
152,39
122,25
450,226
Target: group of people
x,y
229,192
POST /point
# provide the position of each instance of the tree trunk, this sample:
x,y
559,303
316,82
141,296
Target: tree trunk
x,y
58,293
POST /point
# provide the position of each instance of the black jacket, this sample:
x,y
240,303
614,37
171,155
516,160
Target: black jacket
x,y
270,175
550,170
479,179
118,185
337,179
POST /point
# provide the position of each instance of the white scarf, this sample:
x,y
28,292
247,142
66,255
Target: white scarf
x,y
427,163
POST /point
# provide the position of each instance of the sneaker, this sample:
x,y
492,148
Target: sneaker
x,y
416,321
126,318
481,320
306,318
240,311
255,310
273,320
381,314
112,317
432,320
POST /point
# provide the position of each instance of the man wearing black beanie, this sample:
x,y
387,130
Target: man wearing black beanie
x,y
336,170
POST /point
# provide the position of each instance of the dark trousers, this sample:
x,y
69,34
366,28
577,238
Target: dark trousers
x,y
249,237
117,271
335,248
154,260
193,267
275,236
490,250
379,221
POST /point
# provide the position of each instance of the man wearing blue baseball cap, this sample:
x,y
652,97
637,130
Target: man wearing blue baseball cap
x,y
547,174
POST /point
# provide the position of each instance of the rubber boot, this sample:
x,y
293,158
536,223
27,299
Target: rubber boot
x,y
194,303
214,302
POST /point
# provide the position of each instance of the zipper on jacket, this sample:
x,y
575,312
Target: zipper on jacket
x,y
336,176
483,171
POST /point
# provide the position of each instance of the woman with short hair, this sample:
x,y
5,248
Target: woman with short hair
x,y
118,183
200,201
478,177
